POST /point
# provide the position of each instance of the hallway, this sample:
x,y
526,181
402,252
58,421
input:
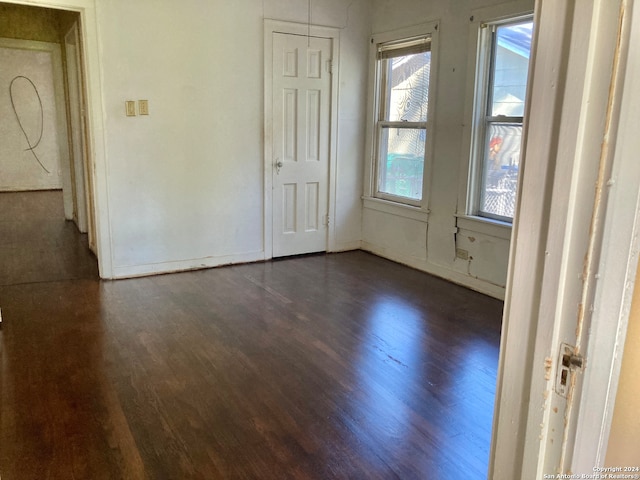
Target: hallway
x,y
317,367
37,244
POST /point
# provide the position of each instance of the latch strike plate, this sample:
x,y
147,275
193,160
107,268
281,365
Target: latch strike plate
x,y
568,361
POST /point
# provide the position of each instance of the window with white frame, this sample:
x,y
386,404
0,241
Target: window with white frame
x,y
403,72
501,86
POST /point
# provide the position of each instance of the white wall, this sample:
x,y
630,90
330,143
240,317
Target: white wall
x,y
31,82
431,244
185,184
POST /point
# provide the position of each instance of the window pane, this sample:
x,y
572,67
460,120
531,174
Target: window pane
x,y
511,64
500,173
407,87
401,161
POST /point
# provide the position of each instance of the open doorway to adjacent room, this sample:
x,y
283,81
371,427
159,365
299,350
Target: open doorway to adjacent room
x,y
46,191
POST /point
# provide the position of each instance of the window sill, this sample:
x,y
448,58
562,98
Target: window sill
x,y
487,226
398,209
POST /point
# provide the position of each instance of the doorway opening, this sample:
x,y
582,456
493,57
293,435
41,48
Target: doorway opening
x,y
45,160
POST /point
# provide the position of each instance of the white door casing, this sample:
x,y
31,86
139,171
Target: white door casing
x,y
567,209
301,103
83,191
76,132
582,145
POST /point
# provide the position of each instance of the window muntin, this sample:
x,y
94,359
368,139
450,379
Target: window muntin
x,y
499,131
403,73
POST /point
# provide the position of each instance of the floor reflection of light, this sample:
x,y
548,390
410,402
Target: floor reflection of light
x,y
393,368
476,392
388,367
475,395
401,328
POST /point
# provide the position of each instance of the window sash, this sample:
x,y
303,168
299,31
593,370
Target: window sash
x,y
386,161
498,179
400,175
485,89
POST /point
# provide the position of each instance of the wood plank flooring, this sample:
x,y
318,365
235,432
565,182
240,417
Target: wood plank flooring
x,y
342,366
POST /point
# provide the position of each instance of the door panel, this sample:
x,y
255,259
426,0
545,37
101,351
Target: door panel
x,y
301,116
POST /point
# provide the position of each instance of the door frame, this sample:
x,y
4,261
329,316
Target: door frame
x,y
568,139
95,118
76,133
276,26
620,243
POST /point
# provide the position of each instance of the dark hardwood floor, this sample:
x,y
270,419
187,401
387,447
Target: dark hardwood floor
x,y
329,366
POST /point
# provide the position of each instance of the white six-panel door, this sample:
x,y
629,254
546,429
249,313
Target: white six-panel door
x,y
301,121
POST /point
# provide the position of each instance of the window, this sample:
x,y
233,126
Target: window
x,y
501,85
403,71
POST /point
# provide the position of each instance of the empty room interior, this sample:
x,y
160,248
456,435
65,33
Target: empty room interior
x,y
318,239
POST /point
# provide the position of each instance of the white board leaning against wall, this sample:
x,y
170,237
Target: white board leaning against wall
x,y
33,129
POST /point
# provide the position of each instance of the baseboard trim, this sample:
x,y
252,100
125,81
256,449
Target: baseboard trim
x,y
472,283
131,271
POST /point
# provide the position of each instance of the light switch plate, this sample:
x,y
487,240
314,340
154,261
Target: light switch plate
x,y
143,107
130,108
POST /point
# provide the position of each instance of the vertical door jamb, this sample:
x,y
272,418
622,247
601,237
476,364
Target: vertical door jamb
x,y
75,130
83,135
541,285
